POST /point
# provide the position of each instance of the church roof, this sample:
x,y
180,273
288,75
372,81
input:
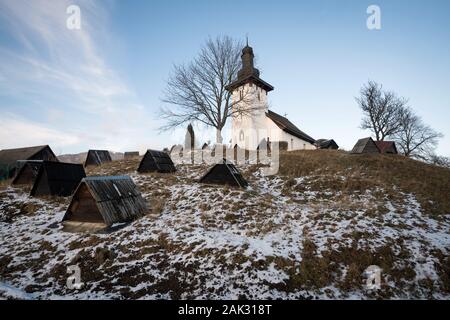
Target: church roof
x,y
249,79
287,126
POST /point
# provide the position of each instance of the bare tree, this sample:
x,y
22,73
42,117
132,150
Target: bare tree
x,y
440,161
381,110
415,138
196,91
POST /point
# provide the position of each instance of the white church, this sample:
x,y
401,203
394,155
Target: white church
x,y
253,124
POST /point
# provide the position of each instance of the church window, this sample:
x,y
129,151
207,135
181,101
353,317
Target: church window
x,y
241,136
292,144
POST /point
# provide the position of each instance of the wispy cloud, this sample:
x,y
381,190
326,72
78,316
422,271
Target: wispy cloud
x,y
50,67
18,132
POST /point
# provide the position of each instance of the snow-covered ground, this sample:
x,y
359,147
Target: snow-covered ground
x,y
272,240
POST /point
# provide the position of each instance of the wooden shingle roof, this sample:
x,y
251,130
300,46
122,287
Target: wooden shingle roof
x,y
387,146
131,154
156,161
97,157
365,145
116,197
224,173
57,179
10,156
250,79
287,126
29,168
326,144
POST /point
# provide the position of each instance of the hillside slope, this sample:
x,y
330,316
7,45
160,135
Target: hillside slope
x,y
309,232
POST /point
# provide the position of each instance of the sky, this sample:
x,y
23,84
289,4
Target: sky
x,y
101,86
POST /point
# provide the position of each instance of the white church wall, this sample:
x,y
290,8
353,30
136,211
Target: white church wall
x,y
249,130
294,143
245,128
276,134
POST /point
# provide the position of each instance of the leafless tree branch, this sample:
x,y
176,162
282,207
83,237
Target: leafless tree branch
x,y
415,138
381,110
196,92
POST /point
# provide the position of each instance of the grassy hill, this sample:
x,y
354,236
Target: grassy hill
x,y
429,183
309,232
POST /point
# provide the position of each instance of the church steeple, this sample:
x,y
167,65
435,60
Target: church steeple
x,y
248,72
248,68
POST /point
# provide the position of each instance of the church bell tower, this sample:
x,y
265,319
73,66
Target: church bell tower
x,y
249,98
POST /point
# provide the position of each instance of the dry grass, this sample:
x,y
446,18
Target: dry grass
x,y
315,271
312,264
118,167
5,183
429,183
157,205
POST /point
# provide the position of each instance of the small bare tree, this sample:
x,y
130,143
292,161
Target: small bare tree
x,y
440,161
381,110
415,138
196,92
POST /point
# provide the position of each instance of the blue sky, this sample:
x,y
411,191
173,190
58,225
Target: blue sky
x,y
101,86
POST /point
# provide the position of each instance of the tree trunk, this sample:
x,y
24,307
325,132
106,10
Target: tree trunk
x,y
218,136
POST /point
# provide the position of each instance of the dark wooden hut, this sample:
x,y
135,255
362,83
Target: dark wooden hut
x,y
326,144
57,179
97,157
131,154
9,158
366,145
388,147
156,161
27,172
224,173
106,200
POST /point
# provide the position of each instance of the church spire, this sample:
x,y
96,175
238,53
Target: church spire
x,y
248,72
248,68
